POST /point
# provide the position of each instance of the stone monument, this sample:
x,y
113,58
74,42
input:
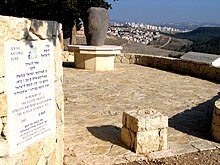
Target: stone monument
x,y
95,55
31,94
96,26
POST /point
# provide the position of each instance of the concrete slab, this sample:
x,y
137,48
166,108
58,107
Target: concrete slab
x,y
200,57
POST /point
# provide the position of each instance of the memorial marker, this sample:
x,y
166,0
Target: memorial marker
x,y
30,90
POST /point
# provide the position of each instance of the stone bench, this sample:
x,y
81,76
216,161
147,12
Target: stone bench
x,y
144,131
216,121
97,58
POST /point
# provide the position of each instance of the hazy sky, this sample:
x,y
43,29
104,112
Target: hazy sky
x,y
166,11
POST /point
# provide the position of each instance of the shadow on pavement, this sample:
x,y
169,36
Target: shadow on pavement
x,y
69,64
197,120
108,133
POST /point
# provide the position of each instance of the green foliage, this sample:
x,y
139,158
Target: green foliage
x,y
202,33
39,9
205,39
63,11
210,46
84,5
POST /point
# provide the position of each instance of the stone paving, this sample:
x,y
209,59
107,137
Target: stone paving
x,y
95,101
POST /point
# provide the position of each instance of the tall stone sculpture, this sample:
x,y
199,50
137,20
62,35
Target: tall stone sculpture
x,y
96,26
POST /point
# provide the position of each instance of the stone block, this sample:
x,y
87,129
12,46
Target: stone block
x,y
50,149
60,144
32,37
2,63
144,131
217,107
215,130
45,29
13,28
147,141
3,105
52,159
163,139
3,147
49,146
2,85
3,161
1,125
216,119
42,161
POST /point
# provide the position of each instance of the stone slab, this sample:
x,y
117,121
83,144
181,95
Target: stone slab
x,y
173,152
200,57
72,48
216,63
203,145
96,58
30,92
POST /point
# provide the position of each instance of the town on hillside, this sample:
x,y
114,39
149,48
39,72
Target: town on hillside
x,y
140,32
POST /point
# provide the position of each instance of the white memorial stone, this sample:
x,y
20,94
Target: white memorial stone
x,y
30,91
216,63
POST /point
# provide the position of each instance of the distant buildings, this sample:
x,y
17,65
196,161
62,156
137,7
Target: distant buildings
x,y
138,35
139,32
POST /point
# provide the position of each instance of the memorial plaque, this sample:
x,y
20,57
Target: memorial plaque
x,y
30,89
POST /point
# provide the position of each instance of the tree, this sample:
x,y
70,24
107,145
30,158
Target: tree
x,y
66,12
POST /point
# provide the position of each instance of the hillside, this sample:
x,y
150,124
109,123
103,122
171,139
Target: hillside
x,y
132,47
201,33
175,44
205,39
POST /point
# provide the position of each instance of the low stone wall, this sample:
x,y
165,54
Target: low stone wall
x,y
50,149
197,69
216,121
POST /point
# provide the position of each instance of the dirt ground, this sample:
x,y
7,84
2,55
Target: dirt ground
x,y
210,157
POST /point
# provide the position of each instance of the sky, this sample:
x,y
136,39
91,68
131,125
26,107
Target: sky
x,y
165,11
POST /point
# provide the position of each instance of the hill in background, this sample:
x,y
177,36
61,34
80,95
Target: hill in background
x,y
205,39
132,47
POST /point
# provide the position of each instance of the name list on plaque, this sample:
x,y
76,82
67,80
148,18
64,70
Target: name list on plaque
x,y
30,92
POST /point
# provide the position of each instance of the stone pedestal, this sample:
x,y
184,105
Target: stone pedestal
x,y
144,131
216,121
97,58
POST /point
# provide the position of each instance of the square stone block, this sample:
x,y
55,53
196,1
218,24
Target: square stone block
x,y
144,131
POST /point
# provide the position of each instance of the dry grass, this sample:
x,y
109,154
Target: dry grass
x,y
132,47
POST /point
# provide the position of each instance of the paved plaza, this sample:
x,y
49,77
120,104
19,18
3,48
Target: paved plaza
x,y
95,101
